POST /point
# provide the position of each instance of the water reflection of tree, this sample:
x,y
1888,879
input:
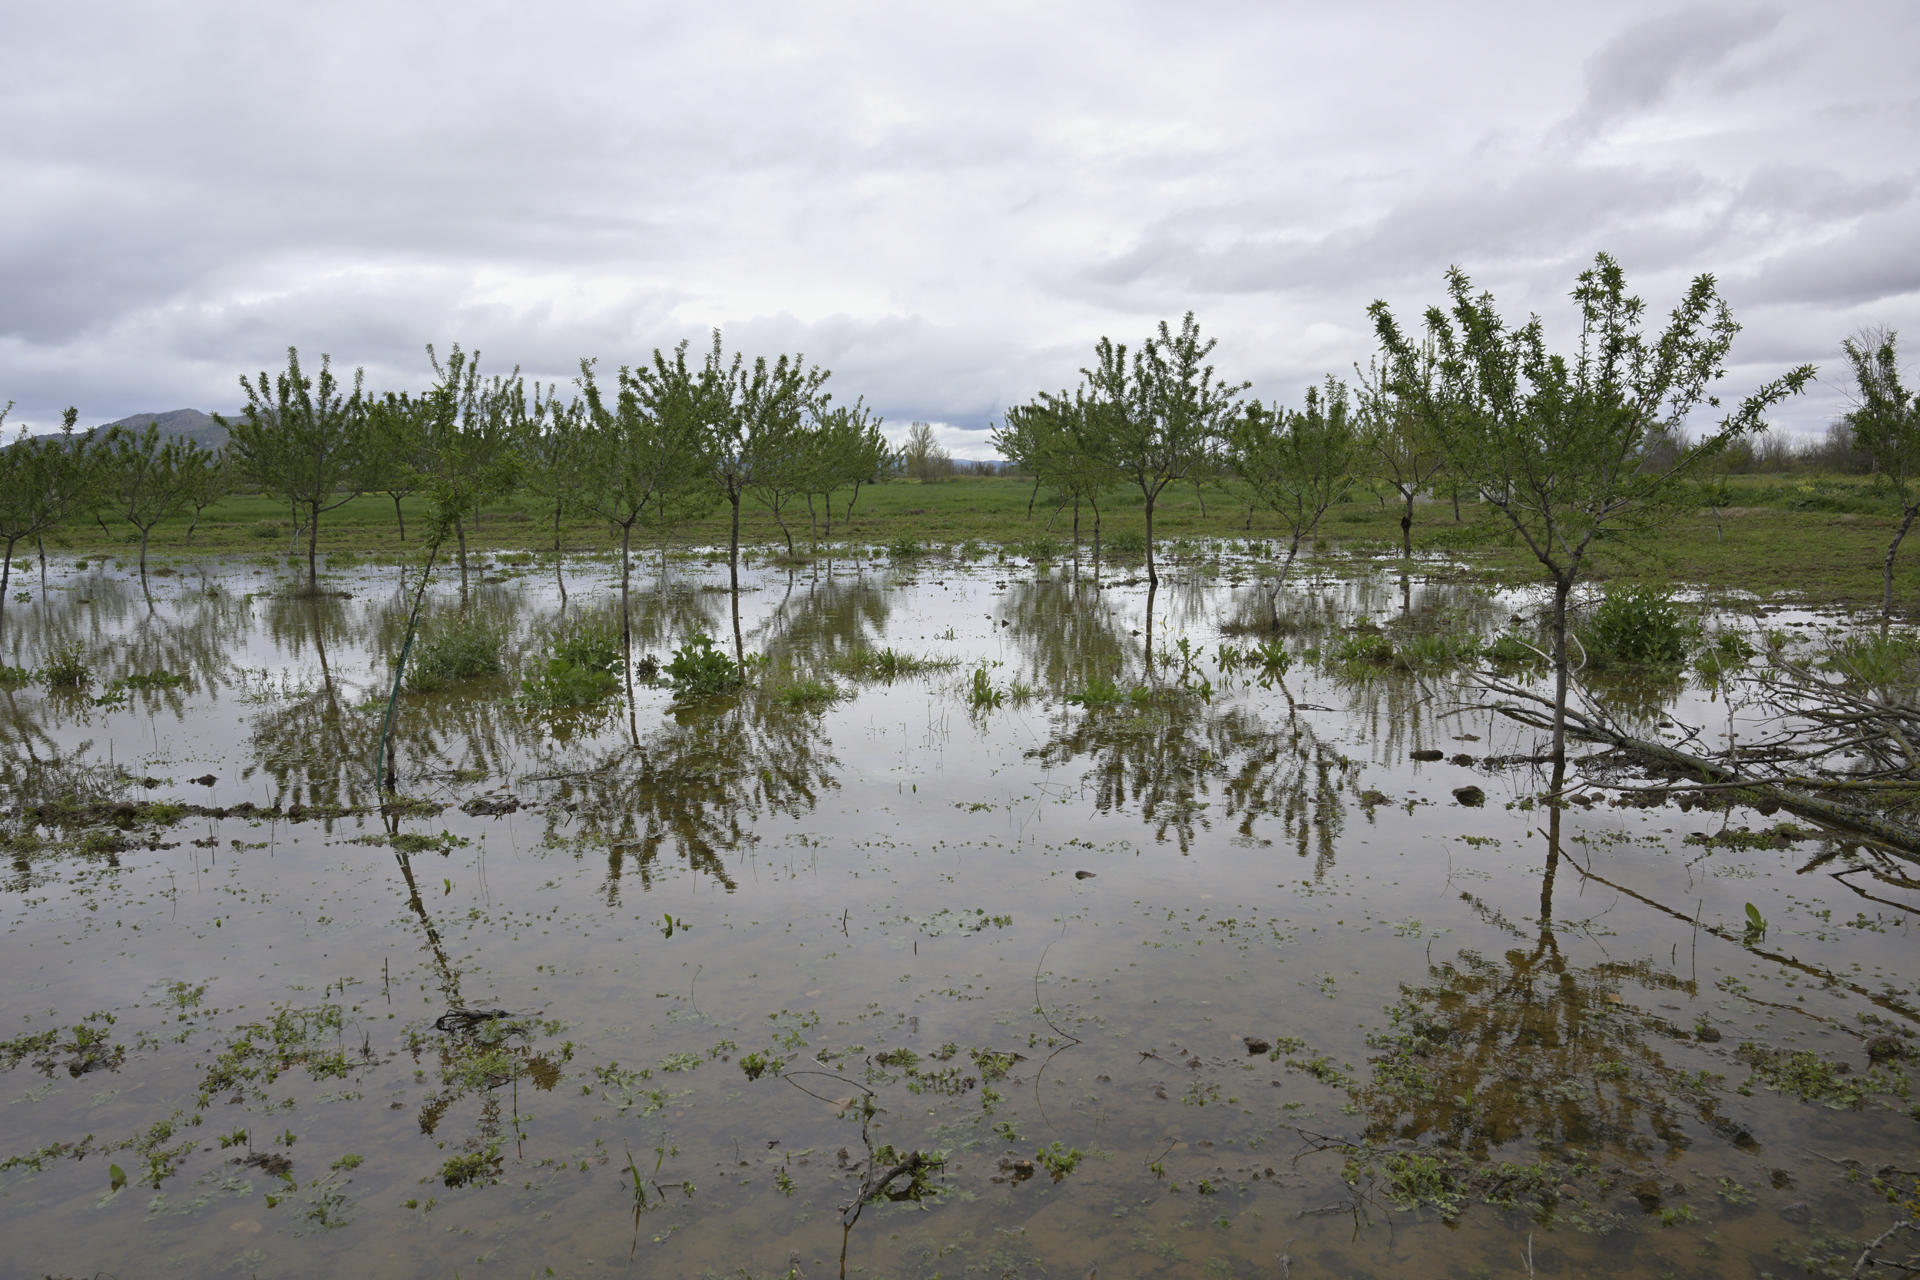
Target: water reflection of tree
x,y
1170,755
823,619
1531,1048
1067,630
318,746
696,786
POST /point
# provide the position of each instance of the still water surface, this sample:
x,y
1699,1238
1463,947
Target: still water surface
x,y
1212,978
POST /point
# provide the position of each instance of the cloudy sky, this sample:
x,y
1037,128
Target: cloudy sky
x,y
946,205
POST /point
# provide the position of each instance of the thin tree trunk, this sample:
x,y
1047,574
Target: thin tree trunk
x,y
399,516
1406,526
6,576
559,571
1562,586
460,536
733,578
1886,594
145,532
1153,574
313,547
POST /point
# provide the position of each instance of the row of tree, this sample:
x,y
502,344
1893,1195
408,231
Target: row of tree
x,y
1559,449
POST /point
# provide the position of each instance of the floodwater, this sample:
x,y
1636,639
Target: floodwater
x,y
1168,965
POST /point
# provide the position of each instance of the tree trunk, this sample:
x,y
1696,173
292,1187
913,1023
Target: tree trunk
x,y
6,576
313,546
460,537
1406,527
1886,594
559,571
733,577
400,516
1562,587
1153,574
145,532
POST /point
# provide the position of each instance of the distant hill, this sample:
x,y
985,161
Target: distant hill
x,y
191,423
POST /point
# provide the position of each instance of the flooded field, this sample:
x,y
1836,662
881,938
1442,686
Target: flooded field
x,y
993,931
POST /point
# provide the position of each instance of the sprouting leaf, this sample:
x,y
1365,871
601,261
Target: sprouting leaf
x,y
117,1176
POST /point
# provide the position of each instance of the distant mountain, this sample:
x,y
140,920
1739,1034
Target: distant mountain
x,y
190,423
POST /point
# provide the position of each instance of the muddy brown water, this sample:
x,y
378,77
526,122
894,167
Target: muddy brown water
x,y
1222,955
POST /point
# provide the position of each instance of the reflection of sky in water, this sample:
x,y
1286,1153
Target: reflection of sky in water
x,y
898,870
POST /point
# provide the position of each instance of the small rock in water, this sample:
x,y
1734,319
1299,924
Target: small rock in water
x,y
1255,1045
1462,759
1426,753
1473,797
204,780
1083,875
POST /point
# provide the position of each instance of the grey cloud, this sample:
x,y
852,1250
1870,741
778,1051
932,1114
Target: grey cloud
x,y
1639,68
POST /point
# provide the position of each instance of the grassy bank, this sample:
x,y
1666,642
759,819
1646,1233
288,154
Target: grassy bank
x,y
1821,539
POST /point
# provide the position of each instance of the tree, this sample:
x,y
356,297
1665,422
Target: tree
x,y
1555,446
144,481
645,453
750,433
552,449
1054,439
469,427
43,481
303,439
395,452
1298,462
922,457
1163,414
1885,425
1406,454
846,449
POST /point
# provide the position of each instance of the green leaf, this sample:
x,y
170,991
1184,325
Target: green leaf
x,y
117,1176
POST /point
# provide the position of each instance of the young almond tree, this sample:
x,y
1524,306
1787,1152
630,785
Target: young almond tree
x,y
1555,444
1163,413
302,439
751,437
44,480
1054,439
1299,462
1404,451
144,481
1886,427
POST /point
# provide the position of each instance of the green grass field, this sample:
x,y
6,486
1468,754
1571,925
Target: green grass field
x,y
1816,538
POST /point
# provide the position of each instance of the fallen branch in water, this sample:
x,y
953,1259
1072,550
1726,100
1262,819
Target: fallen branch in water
x,y
1790,792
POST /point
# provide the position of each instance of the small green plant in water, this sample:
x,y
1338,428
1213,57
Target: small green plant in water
x,y
581,667
699,670
981,695
1058,1160
453,648
1639,623
1756,925
66,668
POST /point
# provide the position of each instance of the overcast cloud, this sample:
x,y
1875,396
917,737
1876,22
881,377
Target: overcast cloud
x,y
946,206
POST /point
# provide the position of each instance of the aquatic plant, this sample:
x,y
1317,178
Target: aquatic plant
x,y
580,668
699,670
1638,623
454,647
66,668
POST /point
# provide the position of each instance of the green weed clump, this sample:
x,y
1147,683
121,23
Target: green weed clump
x,y
66,668
699,671
581,666
452,648
807,694
1511,651
13,677
1638,624
905,549
1126,546
885,664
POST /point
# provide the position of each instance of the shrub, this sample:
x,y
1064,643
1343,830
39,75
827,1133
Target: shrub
x,y
905,549
583,659
1639,624
1364,646
67,668
699,670
451,648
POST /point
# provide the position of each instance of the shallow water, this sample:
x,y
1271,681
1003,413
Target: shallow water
x,y
748,947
